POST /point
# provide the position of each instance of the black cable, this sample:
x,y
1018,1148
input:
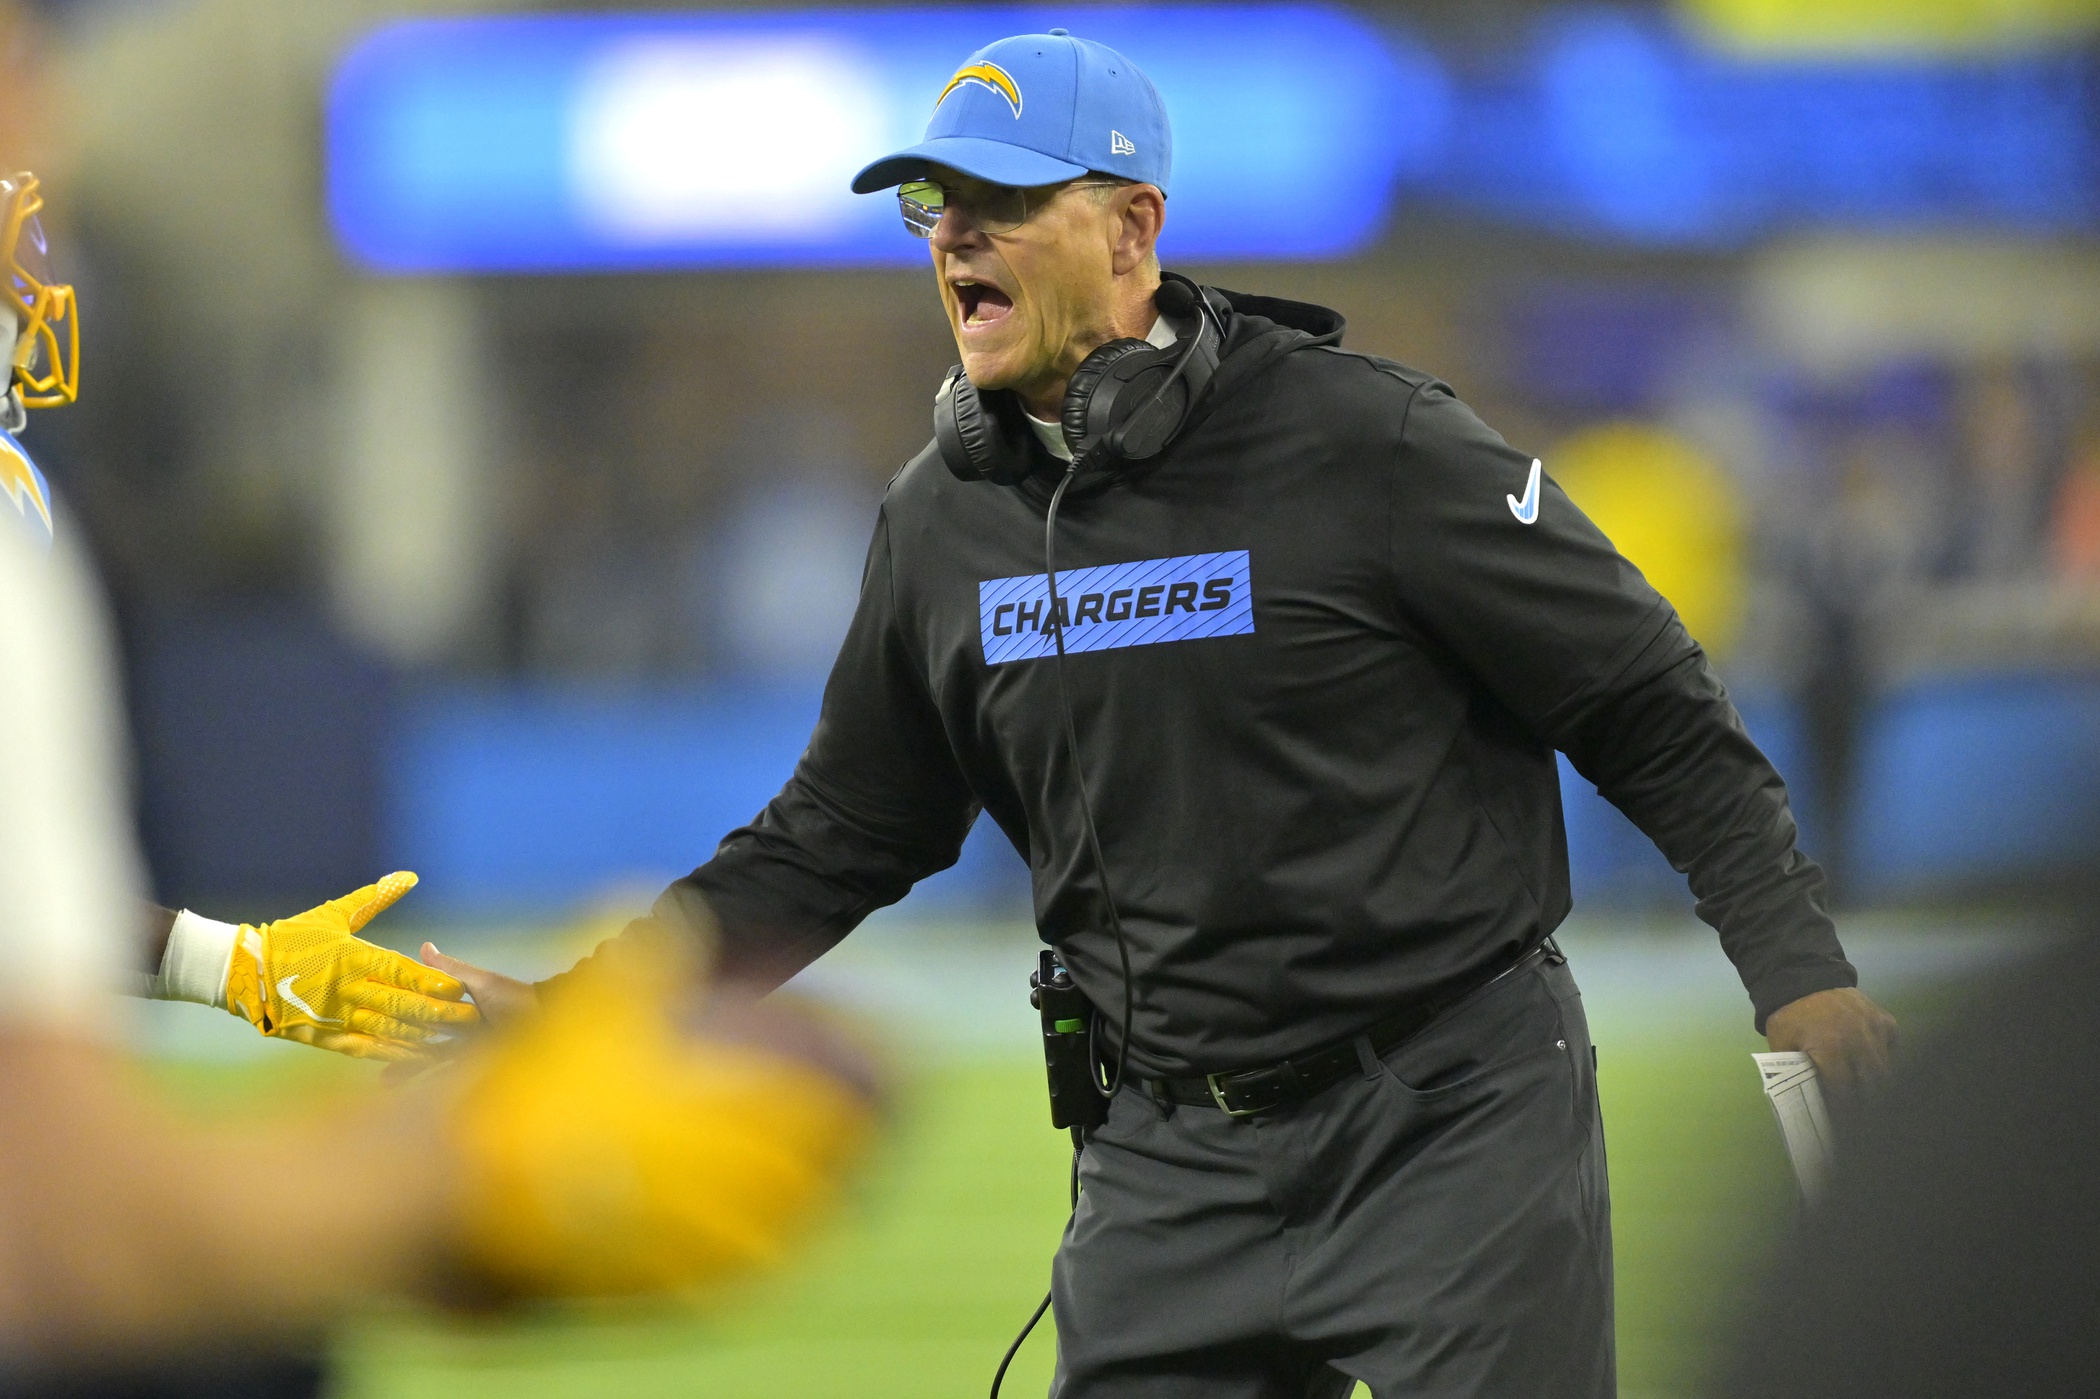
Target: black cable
x,y
1086,804
1044,1305
1093,843
1015,1348
1086,812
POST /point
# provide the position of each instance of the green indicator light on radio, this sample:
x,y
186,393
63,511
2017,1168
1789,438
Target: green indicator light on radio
x,y
1068,1027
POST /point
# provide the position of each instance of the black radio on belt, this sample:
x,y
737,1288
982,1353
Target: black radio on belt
x,y
1068,1045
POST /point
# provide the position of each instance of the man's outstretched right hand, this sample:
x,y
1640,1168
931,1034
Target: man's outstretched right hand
x,y
501,998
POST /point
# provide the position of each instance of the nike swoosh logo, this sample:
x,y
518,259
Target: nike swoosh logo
x,y
284,989
1527,509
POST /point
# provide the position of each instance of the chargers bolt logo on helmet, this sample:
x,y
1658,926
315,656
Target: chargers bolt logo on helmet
x,y
22,484
987,75
45,357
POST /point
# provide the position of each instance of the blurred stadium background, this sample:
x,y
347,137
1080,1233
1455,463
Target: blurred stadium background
x,y
484,408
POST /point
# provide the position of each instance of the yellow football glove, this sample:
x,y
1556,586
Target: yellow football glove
x,y
309,978
612,1145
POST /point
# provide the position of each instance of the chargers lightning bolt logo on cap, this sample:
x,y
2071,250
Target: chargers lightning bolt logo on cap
x,y
1527,509
985,75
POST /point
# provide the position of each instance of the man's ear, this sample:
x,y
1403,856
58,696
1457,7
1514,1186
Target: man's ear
x,y
1136,217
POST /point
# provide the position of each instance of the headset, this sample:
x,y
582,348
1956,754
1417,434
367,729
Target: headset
x,y
1126,403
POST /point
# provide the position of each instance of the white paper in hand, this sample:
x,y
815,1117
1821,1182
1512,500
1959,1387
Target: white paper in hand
x,y
1796,1095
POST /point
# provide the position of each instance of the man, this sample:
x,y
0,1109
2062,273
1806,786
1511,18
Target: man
x,y
307,978
1359,1137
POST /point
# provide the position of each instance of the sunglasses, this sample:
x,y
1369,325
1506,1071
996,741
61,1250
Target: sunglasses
x,y
994,209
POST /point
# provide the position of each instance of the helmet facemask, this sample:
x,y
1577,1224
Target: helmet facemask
x,y
45,362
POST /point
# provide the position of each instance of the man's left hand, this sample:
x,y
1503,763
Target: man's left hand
x,y
1852,1040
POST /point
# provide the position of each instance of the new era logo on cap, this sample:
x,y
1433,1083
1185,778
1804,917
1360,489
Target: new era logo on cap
x,y
1037,109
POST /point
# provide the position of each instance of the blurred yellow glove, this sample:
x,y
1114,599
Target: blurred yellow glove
x,y
310,978
608,1146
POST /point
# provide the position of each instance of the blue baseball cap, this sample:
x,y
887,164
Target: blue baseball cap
x,y
1036,109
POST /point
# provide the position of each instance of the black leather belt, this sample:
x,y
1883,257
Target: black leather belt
x,y
1245,1092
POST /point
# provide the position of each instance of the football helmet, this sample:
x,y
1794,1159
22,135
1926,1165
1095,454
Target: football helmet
x,y
46,353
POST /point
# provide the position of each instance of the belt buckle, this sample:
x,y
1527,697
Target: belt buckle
x,y
1217,1095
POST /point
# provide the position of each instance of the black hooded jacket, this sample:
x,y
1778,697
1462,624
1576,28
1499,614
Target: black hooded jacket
x,y
1324,649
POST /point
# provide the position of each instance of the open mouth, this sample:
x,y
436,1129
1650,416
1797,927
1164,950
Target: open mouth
x,y
981,303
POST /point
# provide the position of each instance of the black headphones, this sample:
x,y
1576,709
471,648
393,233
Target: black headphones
x,y
1125,403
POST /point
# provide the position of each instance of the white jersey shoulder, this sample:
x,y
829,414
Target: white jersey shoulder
x,y
70,886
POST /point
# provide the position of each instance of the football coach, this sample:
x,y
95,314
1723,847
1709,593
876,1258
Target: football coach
x,y
1325,632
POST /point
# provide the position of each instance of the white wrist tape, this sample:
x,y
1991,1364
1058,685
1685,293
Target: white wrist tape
x,y
199,956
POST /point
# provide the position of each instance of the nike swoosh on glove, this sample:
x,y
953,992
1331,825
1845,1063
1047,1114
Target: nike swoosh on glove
x,y
311,978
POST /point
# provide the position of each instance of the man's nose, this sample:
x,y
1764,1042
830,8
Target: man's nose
x,y
955,232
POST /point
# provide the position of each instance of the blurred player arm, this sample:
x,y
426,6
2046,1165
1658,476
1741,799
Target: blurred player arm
x,y
120,1228
126,1231
876,804
1571,639
113,1224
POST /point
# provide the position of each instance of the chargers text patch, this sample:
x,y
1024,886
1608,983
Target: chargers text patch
x,y
1118,604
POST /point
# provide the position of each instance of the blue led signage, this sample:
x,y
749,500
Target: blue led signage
x,y
627,142
609,142
1617,125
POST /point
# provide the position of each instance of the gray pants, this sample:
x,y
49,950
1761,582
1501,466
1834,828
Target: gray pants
x,y
1438,1226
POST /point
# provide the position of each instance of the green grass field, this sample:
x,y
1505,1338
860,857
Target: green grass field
x,y
918,1288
